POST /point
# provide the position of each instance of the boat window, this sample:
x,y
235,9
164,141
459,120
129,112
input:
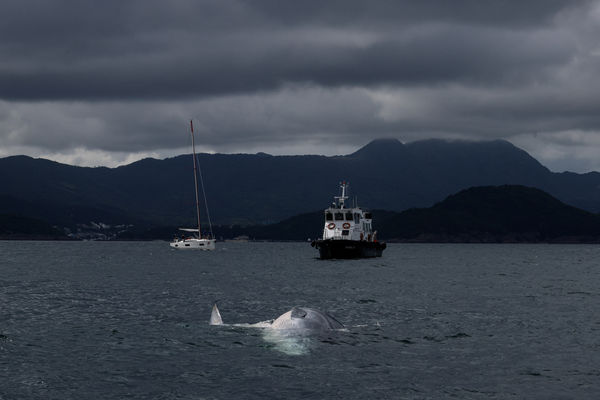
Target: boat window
x,y
356,218
348,216
328,217
368,215
339,216
345,232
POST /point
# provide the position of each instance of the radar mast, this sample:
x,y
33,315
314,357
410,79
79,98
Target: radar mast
x,y
341,199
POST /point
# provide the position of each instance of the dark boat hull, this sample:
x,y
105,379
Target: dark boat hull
x,y
348,248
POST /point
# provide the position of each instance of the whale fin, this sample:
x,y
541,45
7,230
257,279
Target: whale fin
x,y
215,316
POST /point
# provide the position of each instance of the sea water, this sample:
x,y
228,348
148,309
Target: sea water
x,y
113,320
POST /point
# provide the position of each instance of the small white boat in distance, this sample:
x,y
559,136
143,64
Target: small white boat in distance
x,y
196,241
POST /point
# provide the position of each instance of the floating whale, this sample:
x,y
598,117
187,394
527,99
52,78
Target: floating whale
x,y
293,332
297,319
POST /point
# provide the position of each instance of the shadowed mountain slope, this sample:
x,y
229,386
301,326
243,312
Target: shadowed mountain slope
x,y
251,189
489,214
508,213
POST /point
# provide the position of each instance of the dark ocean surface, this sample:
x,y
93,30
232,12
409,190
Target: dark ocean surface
x,y
115,320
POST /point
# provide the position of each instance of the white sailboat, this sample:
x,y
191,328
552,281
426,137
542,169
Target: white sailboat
x,y
196,241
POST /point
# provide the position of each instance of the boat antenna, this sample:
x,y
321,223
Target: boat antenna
x,y
341,199
204,196
195,177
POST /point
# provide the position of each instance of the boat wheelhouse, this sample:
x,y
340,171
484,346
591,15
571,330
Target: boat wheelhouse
x,y
348,232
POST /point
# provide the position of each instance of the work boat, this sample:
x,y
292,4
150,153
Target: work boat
x,y
196,240
348,232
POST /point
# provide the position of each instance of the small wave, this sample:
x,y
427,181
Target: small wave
x,y
433,339
330,341
282,366
531,373
458,335
34,381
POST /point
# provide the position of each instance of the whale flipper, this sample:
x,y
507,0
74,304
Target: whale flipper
x,y
215,316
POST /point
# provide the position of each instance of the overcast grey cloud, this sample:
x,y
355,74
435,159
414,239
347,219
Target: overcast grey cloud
x,y
109,82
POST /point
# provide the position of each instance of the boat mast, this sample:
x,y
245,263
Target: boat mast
x,y
341,199
195,177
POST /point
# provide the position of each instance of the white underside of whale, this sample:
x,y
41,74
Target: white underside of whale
x,y
292,332
296,319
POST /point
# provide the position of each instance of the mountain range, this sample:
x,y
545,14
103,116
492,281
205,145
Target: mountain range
x,y
484,214
255,189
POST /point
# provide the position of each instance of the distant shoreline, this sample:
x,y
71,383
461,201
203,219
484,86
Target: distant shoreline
x,y
485,214
393,241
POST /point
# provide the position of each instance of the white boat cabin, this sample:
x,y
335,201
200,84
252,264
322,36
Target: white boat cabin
x,y
193,242
343,223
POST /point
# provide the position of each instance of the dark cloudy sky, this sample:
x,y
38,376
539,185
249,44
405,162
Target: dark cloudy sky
x,y
108,82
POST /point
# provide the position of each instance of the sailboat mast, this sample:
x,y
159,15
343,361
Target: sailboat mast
x,y
195,177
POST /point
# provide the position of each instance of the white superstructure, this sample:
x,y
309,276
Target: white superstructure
x,y
343,223
193,243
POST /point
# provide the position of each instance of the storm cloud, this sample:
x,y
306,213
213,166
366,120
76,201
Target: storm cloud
x,y
109,82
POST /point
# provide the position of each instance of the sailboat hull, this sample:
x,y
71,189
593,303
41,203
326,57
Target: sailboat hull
x,y
193,244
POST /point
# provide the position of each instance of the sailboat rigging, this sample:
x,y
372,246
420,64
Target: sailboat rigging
x,y
197,241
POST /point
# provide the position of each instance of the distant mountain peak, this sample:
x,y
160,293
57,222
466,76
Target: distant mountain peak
x,y
380,146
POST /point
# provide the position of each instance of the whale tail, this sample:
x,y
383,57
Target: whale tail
x,y
215,316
